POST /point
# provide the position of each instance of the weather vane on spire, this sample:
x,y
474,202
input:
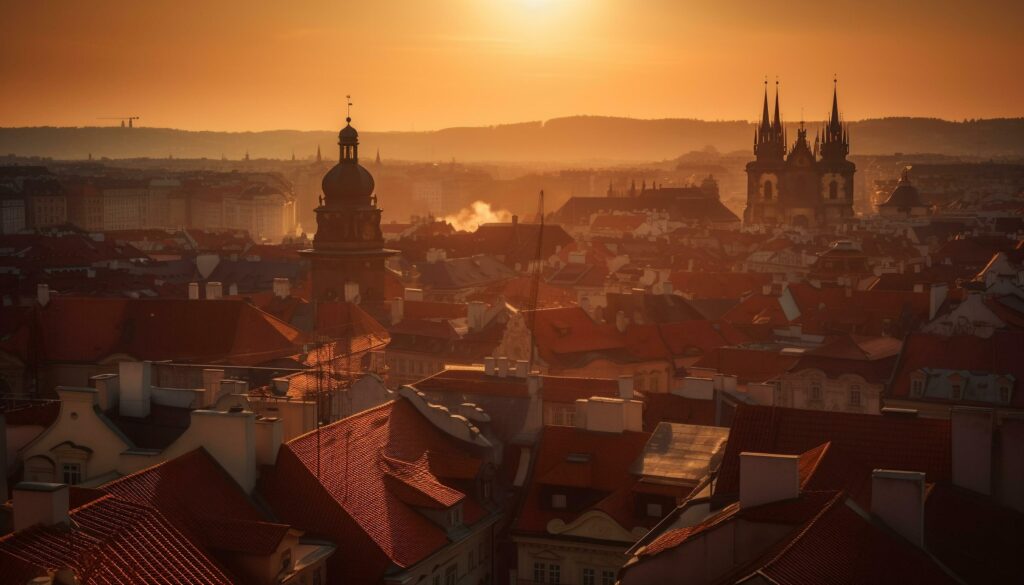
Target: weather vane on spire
x,y
348,112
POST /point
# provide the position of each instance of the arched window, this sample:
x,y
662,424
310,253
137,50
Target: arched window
x,y
768,189
833,190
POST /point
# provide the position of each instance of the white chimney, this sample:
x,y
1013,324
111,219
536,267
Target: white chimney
x,y
609,415
397,310
626,387
38,503
489,366
973,429
522,368
352,292
282,288
502,367
233,289
211,383
43,294
108,390
214,291
767,478
1010,485
136,386
475,313
897,499
268,433
414,294
621,322
193,291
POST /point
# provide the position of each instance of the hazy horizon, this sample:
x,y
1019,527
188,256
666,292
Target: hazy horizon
x,y
412,66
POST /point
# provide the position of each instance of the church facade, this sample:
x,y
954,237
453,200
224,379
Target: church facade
x,y
803,185
348,255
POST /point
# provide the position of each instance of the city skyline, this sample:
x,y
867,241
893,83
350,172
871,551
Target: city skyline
x,y
477,63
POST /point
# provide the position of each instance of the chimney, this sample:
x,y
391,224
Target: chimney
x,y
414,294
233,289
38,503
936,296
489,366
108,390
767,478
214,291
352,292
475,312
282,288
609,415
211,383
502,367
626,387
268,433
621,322
973,429
397,310
1010,486
193,291
231,438
522,368
897,499
43,294
136,386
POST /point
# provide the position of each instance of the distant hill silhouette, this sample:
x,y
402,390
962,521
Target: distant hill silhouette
x,y
579,138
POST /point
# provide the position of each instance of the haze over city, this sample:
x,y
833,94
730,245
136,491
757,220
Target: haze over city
x,y
511,292
428,65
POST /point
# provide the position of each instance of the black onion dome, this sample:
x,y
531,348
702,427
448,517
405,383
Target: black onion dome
x,y
347,182
348,133
904,195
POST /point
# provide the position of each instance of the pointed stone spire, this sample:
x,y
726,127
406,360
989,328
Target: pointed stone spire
x,y
834,119
778,118
765,122
318,157
377,161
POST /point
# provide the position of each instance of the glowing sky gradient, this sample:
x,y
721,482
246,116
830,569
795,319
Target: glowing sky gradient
x,y
417,64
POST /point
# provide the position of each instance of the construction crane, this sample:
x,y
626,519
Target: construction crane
x,y
129,119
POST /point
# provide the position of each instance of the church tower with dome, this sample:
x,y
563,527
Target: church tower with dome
x,y
348,254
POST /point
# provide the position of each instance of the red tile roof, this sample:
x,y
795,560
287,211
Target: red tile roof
x,y
999,354
748,364
113,542
196,495
341,483
913,444
606,471
87,330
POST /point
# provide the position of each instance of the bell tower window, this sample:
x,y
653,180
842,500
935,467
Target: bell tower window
x,y
768,188
833,190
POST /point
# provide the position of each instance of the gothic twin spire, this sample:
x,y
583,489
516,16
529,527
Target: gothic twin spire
x,y
770,135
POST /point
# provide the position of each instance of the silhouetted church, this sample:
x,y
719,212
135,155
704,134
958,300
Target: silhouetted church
x,y
347,258
804,185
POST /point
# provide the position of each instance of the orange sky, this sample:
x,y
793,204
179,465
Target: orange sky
x,y
426,64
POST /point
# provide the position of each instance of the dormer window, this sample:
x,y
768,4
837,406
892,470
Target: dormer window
x,y
917,385
855,397
957,391
559,501
816,392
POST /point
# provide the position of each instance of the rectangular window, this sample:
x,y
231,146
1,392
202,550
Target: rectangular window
x,y
589,577
917,387
471,562
554,573
558,501
816,392
451,574
538,572
72,473
607,577
854,395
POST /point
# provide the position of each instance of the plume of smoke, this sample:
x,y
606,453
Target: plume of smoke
x,y
480,212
